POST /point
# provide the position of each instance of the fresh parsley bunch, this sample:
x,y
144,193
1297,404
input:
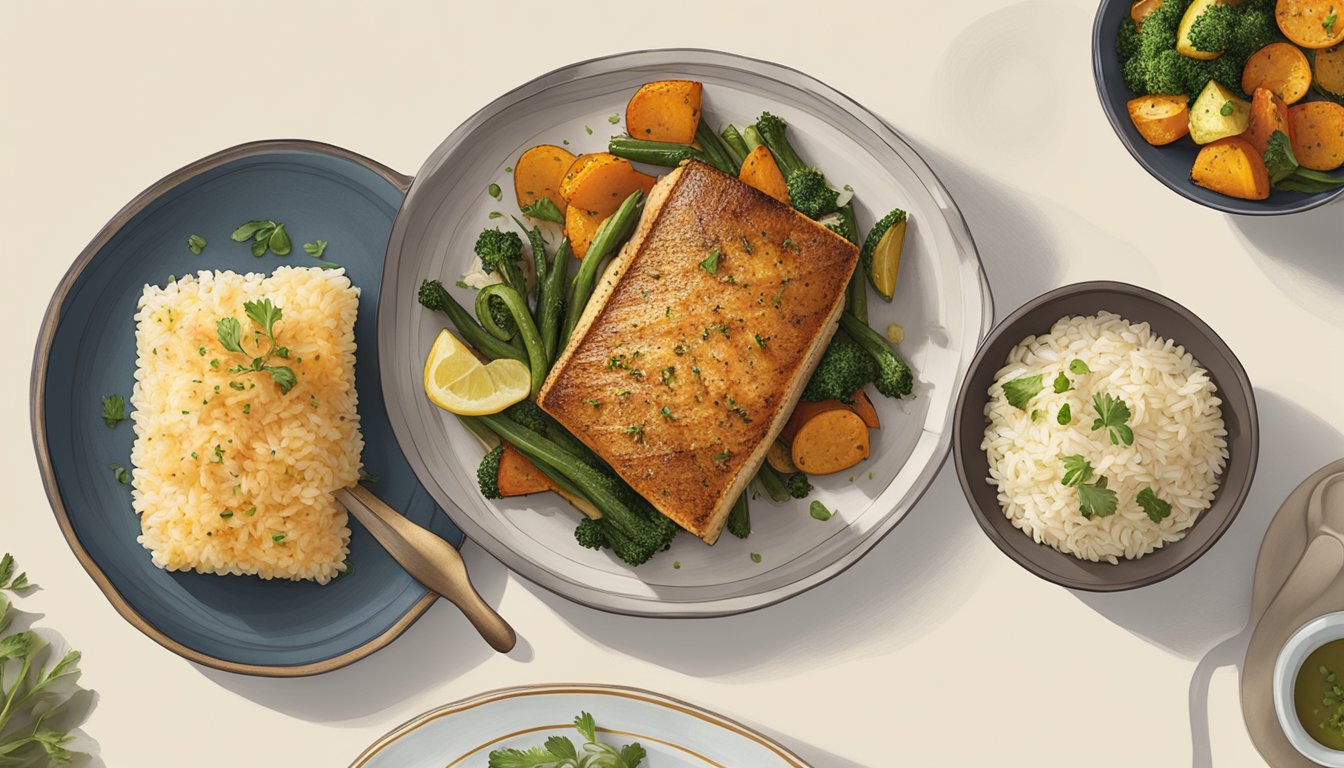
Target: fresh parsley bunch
x,y
560,752
32,696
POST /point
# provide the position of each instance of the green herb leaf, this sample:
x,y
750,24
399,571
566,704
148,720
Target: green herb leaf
x,y
1279,158
1095,499
755,557
1077,470
632,755
1062,383
494,191
283,376
1227,109
1157,509
562,748
819,511
259,248
542,208
279,241
1018,392
1329,22
230,333
536,757
615,118
1065,416
263,313
1112,413
711,262
249,230
1035,414
114,410
315,248
1078,367
585,726
196,244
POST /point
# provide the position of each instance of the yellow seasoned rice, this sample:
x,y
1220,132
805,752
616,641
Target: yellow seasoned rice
x,y
231,476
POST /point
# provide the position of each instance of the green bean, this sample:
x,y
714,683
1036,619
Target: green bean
x,y
538,246
856,299
551,300
527,330
487,320
752,136
653,152
473,334
712,148
614,230
737,148
773,485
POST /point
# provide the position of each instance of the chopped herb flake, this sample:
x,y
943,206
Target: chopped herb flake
x,y
114,410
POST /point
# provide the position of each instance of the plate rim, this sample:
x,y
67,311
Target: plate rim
x,y
51,318
965,250
600,689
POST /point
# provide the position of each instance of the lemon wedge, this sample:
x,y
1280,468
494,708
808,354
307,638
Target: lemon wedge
x,y
459,383
887,259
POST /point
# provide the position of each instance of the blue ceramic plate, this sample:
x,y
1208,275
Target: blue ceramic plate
x,y
1171,164
86,349
675,734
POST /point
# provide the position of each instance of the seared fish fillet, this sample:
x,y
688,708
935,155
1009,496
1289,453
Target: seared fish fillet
x,y
698,340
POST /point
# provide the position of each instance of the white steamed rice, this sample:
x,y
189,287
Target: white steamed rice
x,y
1179,449
231,476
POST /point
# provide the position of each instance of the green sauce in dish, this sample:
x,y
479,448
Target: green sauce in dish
x,y
1318,695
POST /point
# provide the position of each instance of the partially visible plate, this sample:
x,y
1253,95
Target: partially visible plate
x,y
86,349
941,301
675,734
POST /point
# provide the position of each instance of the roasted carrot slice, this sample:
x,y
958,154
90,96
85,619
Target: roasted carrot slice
x,y
762,172
1318,134
1282,68
831,441
580,226
1311,23
1268,114
1160,119
1232,167
538,174
666,110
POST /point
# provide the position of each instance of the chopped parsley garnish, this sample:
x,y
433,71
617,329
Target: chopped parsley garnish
x,y
819,511
265,314
789,244
114,410
614,119
1065,416
760,342
589,129
1095,499
494,191
746,244
1018,392
723,456
669,375
755,557
251,511
1226,109
1078,367
636,431
120,474
277,537
739,410
1062,383
711,262
226,514
1035,414
315,248
1077,470
196,244
1156,509
1329,23
1112,413
667,414
265,235
595,402
542,208
219,455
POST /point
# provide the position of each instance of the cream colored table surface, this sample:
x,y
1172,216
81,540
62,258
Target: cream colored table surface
x,y
935,649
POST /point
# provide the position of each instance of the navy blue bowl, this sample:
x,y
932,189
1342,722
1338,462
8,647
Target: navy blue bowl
x,y
1171,164
86,349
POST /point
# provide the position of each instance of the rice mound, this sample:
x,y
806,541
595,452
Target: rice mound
x,y
231,476
1179,449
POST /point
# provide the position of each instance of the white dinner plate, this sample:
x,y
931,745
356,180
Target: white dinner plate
x,y
673,733
941,302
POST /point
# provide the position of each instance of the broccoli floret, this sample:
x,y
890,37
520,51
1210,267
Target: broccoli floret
x,y
530,415
739,519
894,378
434,296
774,131
810,194
844,368
1151,63
501,252
799,486
589,533
487,473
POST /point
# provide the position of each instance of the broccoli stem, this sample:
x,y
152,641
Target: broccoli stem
x,y
538,363
713,149
739,519
466,325
856,299
551,300
653,152
772,484
610,234
591,483
752,136
737,146
774,133
895,378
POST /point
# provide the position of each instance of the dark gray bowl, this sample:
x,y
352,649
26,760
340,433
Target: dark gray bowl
x,y
1171,164
1172,321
